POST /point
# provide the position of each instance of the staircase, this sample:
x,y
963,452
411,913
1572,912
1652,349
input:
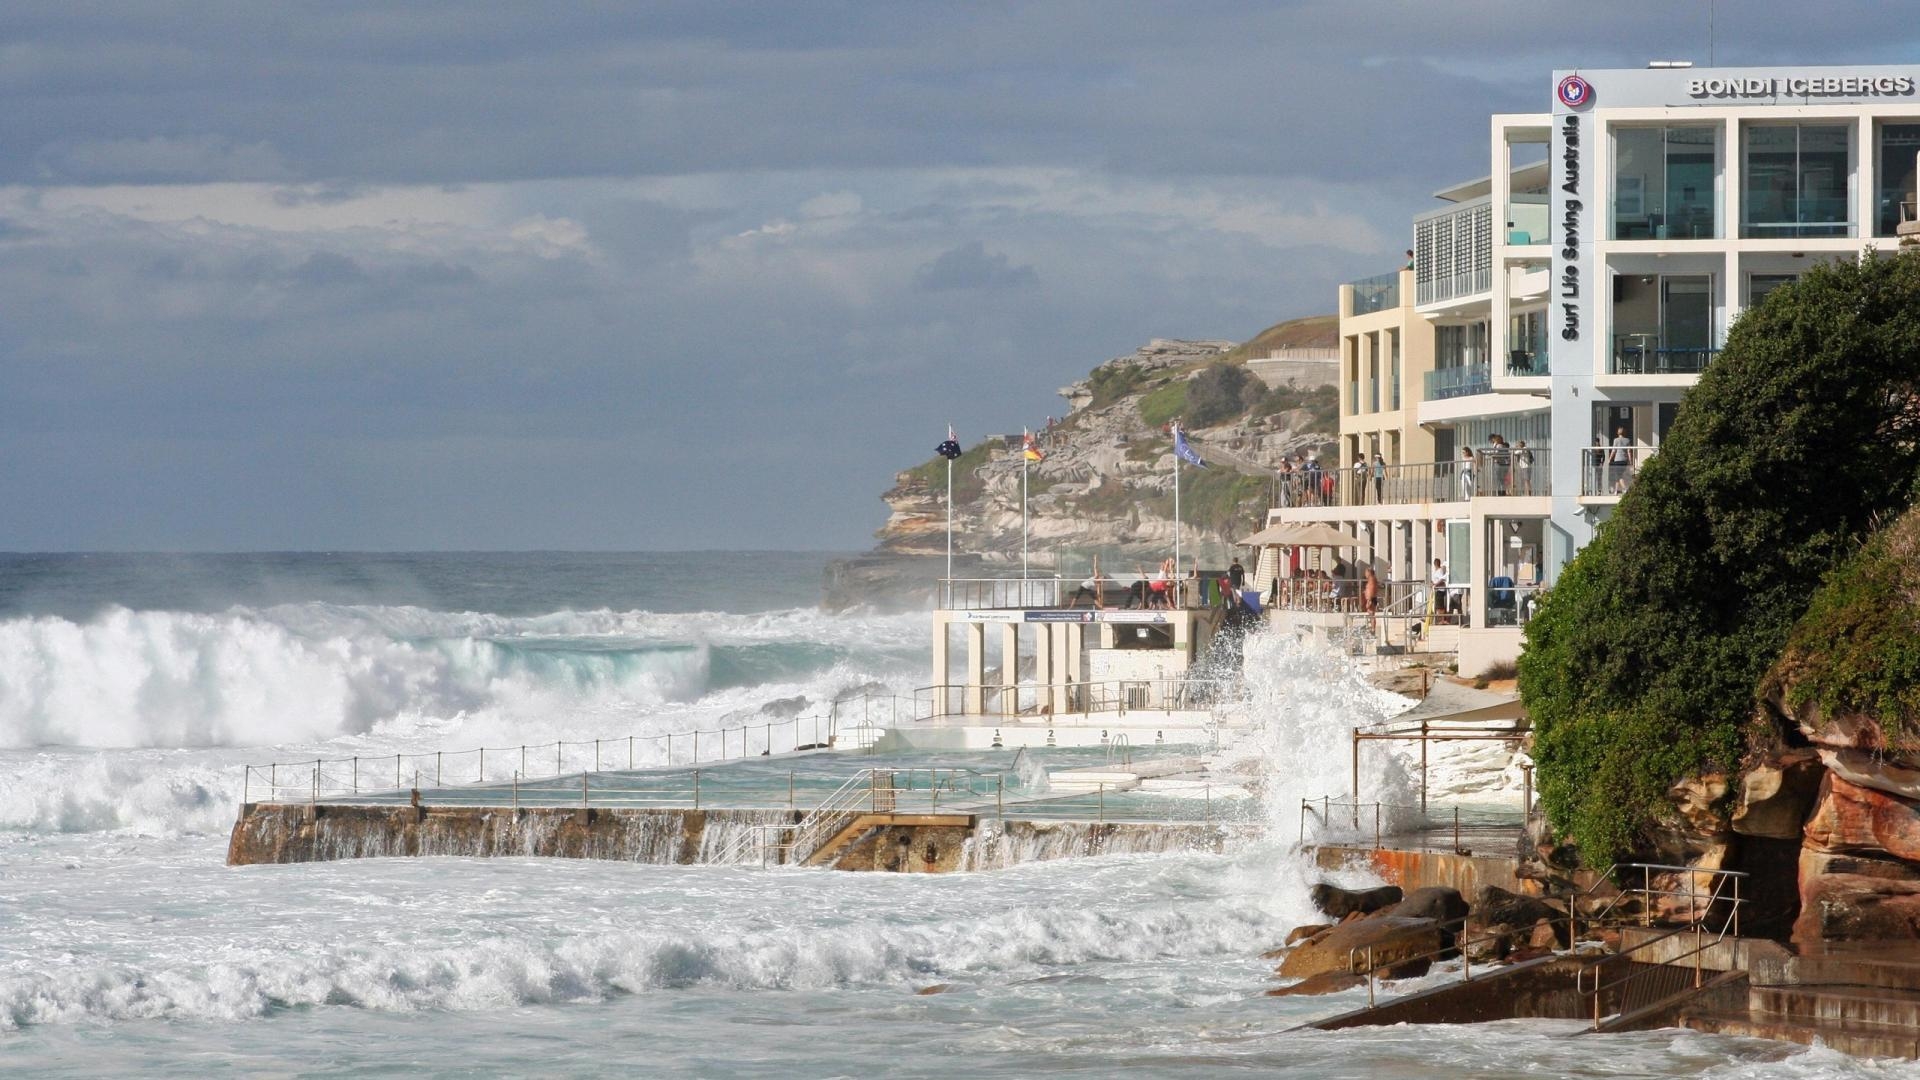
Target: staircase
x,y
1864,1002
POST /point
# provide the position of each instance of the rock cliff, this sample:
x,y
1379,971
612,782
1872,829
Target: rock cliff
x,y
1106,481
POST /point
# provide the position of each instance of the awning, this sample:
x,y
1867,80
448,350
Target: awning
x,y
1314,534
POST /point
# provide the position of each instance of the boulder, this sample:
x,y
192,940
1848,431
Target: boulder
x,y
1445,906
1545,938
1851,819
1327,982
1847,897
1699,800
1775,795
1392,938
1503,920
1682,897
1339,903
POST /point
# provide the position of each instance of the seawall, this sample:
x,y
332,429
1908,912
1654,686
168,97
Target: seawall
x,y
269,833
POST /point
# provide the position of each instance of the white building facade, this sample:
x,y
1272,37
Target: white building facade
x,y
1577,292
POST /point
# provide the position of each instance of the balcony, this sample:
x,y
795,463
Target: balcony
x,y
1380,292
1453,382
1492,473
1453,252
1650,354
1527,220
1608,471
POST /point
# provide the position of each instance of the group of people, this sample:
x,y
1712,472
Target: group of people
x,y
1610,464
1508,469
1304,482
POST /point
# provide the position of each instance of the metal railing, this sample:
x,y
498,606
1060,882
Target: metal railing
x,y
1409,826
999,594
1491,472
1649,354
323,778
1610,470
1120,696
1460,947
1721,894
938,790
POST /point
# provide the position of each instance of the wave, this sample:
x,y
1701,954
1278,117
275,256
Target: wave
x,y
306,673
389,970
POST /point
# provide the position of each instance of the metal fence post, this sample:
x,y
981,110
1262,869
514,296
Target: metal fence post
x,y
523,758
999,796
789,789
1103,803
1376,827
356,775
516,791
696,789
246,777
483,765
583,790
629,753
557,770
396,770
436,768
1456,830
596,755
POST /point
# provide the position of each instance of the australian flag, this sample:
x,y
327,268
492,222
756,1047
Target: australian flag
x,y
1184,452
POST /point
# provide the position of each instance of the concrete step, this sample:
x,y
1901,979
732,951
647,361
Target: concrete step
x,y
1863,1004
1893,966
1848,1037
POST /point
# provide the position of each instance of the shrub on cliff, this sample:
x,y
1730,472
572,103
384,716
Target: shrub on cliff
x,y
1219,393
1642,665
1857,649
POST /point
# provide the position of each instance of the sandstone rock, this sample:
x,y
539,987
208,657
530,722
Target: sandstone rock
x,y
1392,938
1776,794
1305,931
1849,897
1851,819
1327,982
1339,903
1698,801
1544,937
1870,770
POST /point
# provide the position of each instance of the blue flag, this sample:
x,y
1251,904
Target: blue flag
x,y
1184,452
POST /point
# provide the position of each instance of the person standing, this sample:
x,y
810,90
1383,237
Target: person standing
x,y
1499,463
1437,603
1523,468
1465,475
1379,478
1237,574
1617,461
1370,596
1359,479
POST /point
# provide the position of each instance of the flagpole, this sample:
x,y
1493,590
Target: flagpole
x,y
1025,464
949,522
1176,500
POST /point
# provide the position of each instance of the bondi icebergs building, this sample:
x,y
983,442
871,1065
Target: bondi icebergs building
x,y
1566,300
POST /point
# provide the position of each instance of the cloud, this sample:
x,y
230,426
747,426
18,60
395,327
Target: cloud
x,y
159,158
971,266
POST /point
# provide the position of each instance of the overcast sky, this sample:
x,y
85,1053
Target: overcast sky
x,y
607,275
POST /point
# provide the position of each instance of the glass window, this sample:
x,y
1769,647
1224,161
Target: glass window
x,y
1759,285
1527,343
1663,183
1894,186
1796,180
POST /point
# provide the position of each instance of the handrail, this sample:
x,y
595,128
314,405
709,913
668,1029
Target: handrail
x,y
1459,946
1697,924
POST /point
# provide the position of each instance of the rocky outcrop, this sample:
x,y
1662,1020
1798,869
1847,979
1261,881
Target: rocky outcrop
x,y
1401,944
1775,795
1504,922
1106,479
1338,903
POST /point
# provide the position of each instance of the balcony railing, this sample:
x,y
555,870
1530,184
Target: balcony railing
x,y
1500,473
1609,470
1648,354
1454,382
1378,293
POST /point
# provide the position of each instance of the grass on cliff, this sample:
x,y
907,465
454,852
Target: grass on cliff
x,y
967,485
1164,404
1644,664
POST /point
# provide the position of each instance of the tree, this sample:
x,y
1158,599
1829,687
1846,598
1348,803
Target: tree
x,y
1216,394
1643,664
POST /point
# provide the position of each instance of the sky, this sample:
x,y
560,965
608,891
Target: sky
x,y
283,276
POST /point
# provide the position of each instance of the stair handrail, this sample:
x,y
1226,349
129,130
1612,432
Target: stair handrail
x,y
843,803
1696,924
754,840
1459,946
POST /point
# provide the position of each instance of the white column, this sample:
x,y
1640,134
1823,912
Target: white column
x,y
941,705
1043,661
1010,667
976,667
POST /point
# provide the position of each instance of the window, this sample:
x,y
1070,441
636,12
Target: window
x,y
1527,343
1662,324
1796,181
1393,361
1759,285
1663,183
1894,184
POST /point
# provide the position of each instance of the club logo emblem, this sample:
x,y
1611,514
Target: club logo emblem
x,y
1574,91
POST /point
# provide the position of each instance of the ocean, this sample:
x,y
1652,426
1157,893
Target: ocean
x,y
133,688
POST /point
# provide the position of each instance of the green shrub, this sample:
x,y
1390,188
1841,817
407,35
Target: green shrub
x,y
1643,663
1217,394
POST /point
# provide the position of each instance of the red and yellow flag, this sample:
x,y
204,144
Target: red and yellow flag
x,y
1030,449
